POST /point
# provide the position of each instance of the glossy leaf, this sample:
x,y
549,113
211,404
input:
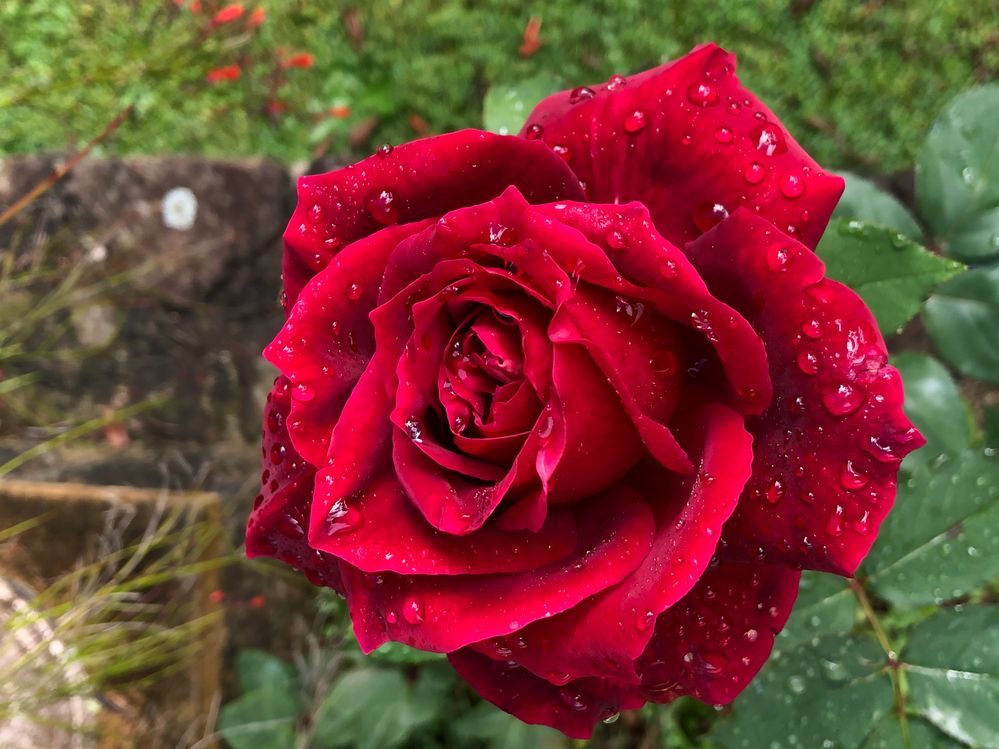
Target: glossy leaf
x,y
957,176
825,605
489,727
952,666
830,694
935,405
961,317
865,201
506,106
942,539
918,735
893,274
258,669
377,708
262,719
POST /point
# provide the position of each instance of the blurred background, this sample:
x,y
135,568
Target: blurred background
x,y
148,151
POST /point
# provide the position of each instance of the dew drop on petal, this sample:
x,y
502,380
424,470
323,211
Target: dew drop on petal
x,y
792,186
723,135
775,491
412,610
851,479
382,206
843,399
635,121
534,131
769,140
581,93
754,172
343,519
702,94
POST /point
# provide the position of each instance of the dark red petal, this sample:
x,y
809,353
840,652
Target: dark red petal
x,y
327,340
827,451
418,180
712,643
687,140
361,514
614,535
277,524
573,708
604,636
659,275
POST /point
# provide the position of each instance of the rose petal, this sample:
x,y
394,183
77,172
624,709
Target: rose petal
x,y
827,451
442,614
687,140
327,340
712,643
361,514
604,636
573,708
417,180
276,527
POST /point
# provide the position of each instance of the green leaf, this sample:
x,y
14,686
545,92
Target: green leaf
x,y
865,201
893,274
942,539
961,318
957,176
377,708
262,719
888,735
825,605
830,694
952,667
259,669
991,426
397,653
506,106
935,406
489,727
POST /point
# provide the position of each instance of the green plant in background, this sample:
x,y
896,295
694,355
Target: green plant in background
x,y
858,83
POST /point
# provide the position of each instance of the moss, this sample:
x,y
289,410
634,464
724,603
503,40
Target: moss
x,y
857,83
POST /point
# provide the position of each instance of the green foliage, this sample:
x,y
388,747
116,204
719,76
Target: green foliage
x,y
958,176
506,106
961,317
864,200
841,75
893,274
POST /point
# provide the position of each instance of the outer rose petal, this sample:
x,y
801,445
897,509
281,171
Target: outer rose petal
x,y
442,614
327,340
422,179
827,451
573,708
712,643
280,514
604,636
687,140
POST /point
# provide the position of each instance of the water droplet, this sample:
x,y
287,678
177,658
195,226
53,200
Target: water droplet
x,y
343,519
882,451
615,82
792,186
796,684
775,491
707,215
547,427
851,479
414,428
534,131
834,523
615,240
612,718
563,152
702,324
646,621
382,206
809,362
843,399
384,150
702,94
812,328
296,425
412,610
391,617
723,135
669,269
277,453
769,140
630,309
635,121
754,172
663,363
573,699
581,93
558,678
779,259
302,392
354,292
862,524
750,635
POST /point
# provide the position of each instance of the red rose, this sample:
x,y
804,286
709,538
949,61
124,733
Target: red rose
x,y
576,407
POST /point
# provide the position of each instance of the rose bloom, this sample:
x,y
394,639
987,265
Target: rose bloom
x,y
576,407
